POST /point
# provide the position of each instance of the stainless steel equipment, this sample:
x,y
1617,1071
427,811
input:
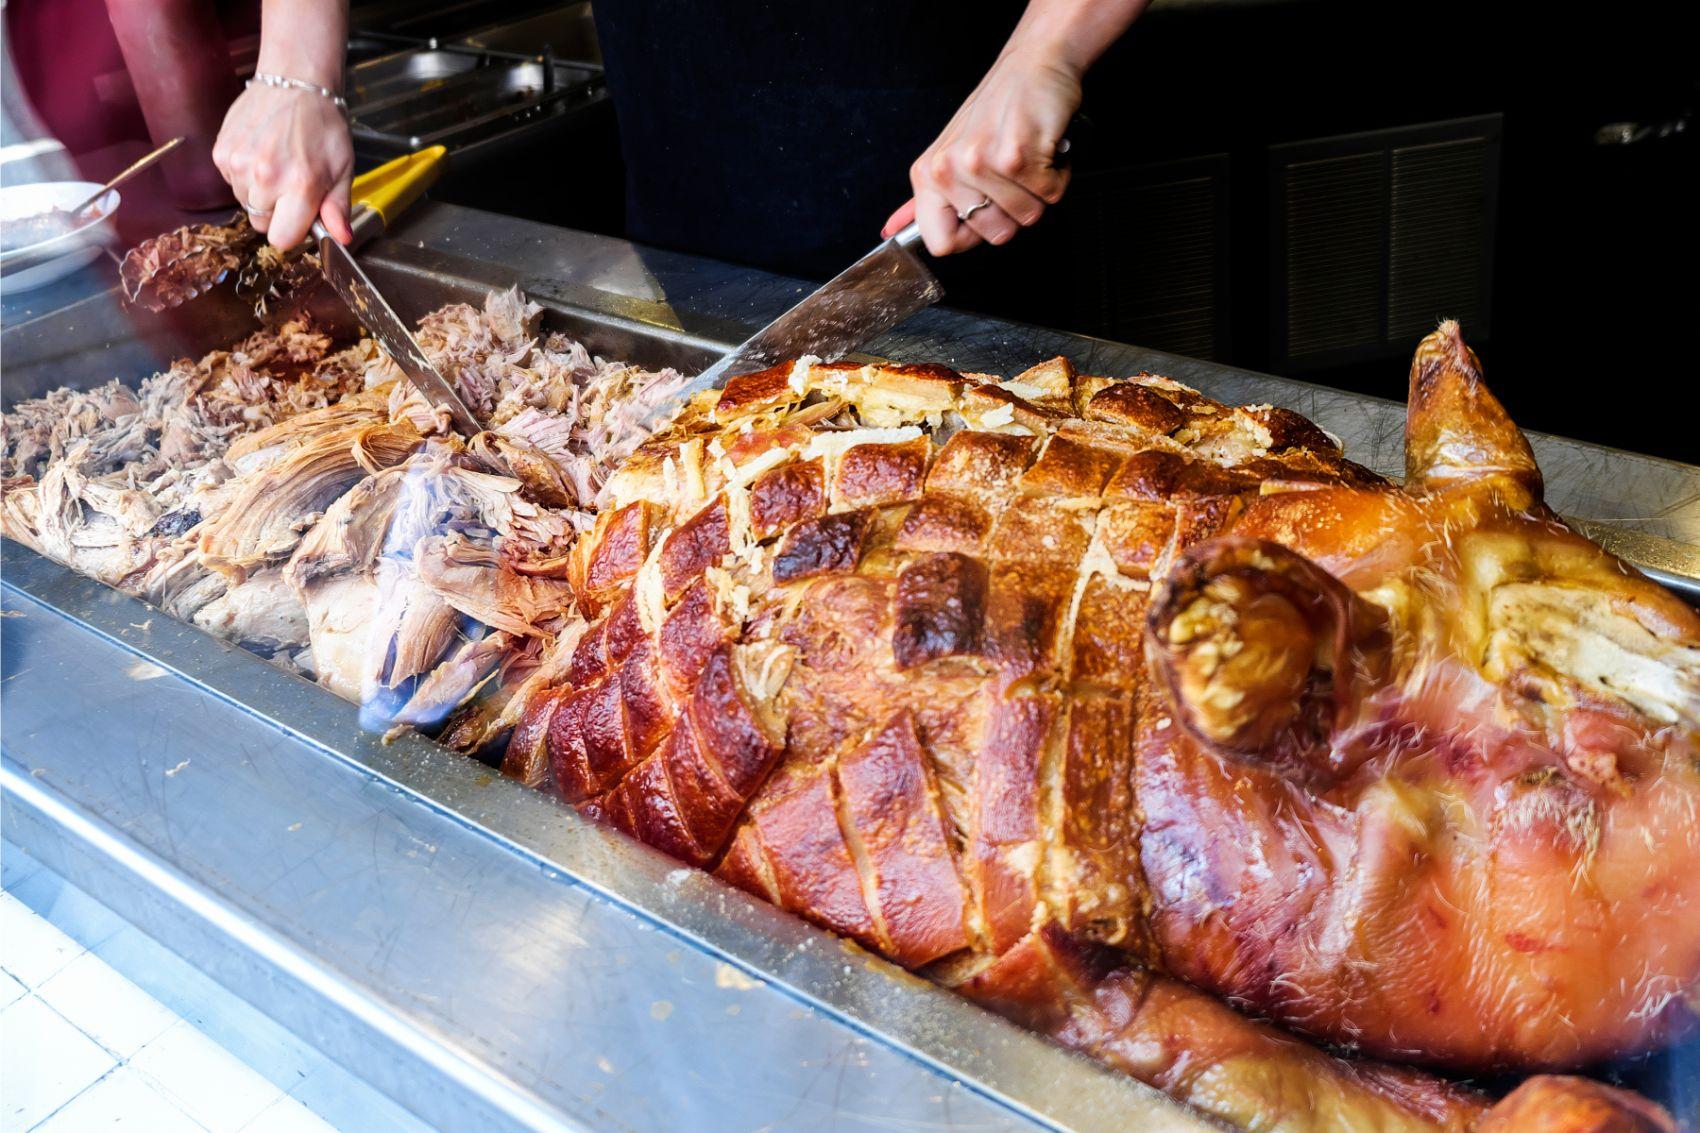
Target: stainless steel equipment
x,y
381,80
446,20
459,96
567,31
467,945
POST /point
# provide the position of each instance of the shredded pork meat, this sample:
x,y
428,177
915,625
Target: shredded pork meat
x,y
544,395
174,267
306,501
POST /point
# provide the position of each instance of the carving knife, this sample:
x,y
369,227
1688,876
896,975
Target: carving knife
x,y
860,303
857,305
355,288
382,194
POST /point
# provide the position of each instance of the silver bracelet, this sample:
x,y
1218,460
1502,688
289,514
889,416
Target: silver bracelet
x,y
284,82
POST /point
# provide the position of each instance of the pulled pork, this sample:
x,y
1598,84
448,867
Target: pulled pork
x,y
560,419
307,501
174,267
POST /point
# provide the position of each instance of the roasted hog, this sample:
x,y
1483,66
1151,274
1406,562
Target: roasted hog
x,y
1441,803
1097,699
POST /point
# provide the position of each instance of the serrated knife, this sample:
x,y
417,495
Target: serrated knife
x,y
857,305
356,289
379,197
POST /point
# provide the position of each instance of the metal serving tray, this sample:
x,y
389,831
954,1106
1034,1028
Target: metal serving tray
x,y
467,945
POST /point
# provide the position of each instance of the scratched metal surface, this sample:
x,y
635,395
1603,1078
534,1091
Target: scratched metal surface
x,y
468,946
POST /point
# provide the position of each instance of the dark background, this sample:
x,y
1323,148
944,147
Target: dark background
x,y
1570,259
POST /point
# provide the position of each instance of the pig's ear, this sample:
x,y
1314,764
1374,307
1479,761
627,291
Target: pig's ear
x,y
1456,431
1265,655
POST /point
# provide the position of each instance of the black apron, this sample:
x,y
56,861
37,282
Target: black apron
x,y
779,134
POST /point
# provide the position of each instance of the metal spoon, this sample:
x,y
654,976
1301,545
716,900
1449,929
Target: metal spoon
x,y
135,167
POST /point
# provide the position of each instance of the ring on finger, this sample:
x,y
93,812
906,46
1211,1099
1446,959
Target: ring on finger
x,y
254,210
972,209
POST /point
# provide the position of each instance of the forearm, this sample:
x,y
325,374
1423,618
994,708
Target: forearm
x,y
285,150
304,39
1071,33
991,172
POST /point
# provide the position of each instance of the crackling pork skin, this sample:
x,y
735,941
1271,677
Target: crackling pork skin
x,y
1110,705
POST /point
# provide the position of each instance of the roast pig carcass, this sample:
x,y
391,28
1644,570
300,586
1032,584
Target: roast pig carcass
x,y
1098,699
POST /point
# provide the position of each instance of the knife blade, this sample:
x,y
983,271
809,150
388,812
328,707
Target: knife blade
x,y
356,289
857,305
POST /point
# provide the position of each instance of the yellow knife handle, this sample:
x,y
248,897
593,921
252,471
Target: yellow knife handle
x,y
394,185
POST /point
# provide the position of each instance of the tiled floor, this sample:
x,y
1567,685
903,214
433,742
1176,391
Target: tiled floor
x,y
84,1049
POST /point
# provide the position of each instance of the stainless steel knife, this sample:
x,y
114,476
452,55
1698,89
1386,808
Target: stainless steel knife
x,y
857,305
860,303
351,282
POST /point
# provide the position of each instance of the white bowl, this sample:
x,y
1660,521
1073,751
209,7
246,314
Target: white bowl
x,y
36,265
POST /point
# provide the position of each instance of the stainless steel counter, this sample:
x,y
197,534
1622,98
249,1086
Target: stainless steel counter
x,y
468,946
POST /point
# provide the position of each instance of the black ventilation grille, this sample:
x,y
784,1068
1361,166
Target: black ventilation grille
x,y
1151,244
1335,226
1439,236
1376,236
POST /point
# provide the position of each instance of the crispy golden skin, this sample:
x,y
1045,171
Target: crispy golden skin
x,y
1081,695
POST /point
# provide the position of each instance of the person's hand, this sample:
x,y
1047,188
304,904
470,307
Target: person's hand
x,y
992,164
288,156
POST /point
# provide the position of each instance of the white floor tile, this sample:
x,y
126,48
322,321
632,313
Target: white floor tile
x,y
30,948
10,991
286,1115
348,1103
87,1049
123,1100
67,908
15,865
107,1007
212,1085
44,1062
